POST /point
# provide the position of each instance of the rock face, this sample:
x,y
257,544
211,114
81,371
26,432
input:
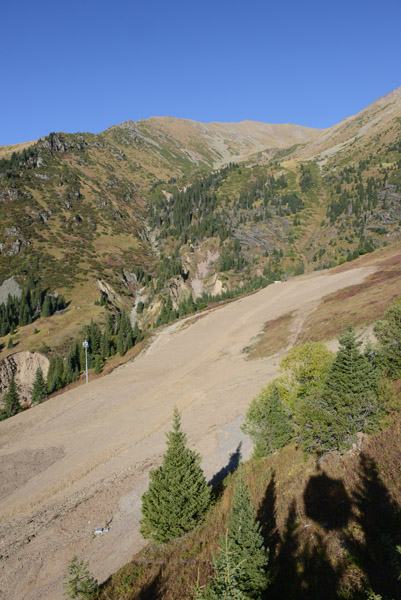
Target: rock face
x,y
23,366
9,287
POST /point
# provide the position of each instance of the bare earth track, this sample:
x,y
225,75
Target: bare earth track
x,y
83,458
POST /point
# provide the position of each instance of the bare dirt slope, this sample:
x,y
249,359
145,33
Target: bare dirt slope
x,y
83,458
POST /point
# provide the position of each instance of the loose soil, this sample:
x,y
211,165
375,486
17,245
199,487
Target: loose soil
x,y
89,451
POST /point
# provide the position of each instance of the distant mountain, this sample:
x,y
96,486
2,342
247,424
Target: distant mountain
x,y
216,144
367,130
168,211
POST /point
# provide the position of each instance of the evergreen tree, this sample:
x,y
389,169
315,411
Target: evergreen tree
x,y
55,374
80,583
98,364
39,391
120,343
267,423
246,543
68,375
104,345
12,405
224,584
46,308
137,333
348,403
178,495
388,334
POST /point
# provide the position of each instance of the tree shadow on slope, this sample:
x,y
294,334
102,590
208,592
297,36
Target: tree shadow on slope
x,y
327,502
153,590
302,572
371,544
267,514
232,465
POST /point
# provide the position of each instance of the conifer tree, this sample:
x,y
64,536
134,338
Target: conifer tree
x,y
246,543
347,404
267,423
12,405
46,307
224,584
351,388
55,374
39,391
81,584
178,495
388,334
98,364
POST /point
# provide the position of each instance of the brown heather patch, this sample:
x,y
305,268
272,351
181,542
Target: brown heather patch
x,y
358,305
273,338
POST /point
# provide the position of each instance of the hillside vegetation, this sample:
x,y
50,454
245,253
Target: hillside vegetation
x,y
162,217
330,522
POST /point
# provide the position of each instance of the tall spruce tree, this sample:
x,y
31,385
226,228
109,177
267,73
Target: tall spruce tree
x,y
246,543
348,402
178,495
39,390
388,334
225,581
12,405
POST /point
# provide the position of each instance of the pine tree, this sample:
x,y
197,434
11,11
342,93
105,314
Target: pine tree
x,y
178,495
246,543
98,364
46,307
12,405
224,584
120,343
81,584
39,391
352,388
55,374
388,334
348,402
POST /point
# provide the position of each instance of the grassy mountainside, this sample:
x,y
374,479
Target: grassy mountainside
x,y
331,522
141,213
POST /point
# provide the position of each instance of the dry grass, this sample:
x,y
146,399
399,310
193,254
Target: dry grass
x,y
58,330
357,305
273,338
7,151
316,516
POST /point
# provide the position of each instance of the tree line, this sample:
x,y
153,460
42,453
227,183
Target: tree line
x,y
324,400
33,303
177,500
117,336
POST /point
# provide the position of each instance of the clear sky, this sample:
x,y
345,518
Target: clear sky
x,y
85,65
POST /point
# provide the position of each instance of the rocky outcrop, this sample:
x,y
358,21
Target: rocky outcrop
x,y
23,366
14,241
9,287
204,269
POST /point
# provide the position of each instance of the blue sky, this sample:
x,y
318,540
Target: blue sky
x,y
83,66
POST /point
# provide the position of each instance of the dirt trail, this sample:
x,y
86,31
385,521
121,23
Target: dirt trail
x,y
89,451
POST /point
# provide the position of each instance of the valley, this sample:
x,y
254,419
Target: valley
x,y
192,256
92,447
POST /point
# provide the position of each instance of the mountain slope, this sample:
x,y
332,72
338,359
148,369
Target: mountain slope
x,y
367,130
140,212
92,447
